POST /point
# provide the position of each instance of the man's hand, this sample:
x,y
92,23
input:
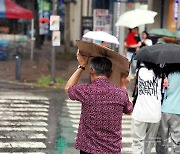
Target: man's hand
x,y
83,61
73,80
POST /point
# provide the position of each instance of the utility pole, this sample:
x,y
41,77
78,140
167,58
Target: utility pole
x,y
53,54
67,28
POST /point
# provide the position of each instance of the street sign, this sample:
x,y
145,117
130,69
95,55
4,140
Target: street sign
x,y
176,3
56,38
54,22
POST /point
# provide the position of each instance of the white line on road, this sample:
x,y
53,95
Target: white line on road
x,y
72,101
37,136
24,105
18,113
22,145
7,123
76,121
75,116
13,101
126,139
21,97
41,129
74,112
22,118
34,136
23,153
71,108
24,109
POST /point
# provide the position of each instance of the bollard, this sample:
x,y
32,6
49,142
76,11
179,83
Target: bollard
x,y
18,68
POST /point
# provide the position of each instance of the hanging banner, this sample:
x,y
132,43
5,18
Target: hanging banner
x,y
101,20
56,38
54,22
176,4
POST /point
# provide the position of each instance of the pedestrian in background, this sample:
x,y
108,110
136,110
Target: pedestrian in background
x,y
170,122
132,45
145,39
103,105
105,44
147,110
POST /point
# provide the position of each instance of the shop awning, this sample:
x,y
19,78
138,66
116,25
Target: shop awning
x,y
9,9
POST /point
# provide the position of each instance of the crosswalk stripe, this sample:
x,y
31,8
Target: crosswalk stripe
x,y
7,123
34,136
74,112
20,97
22,118
37,136
13,101
23,124
24,109
19,113
72,101
21,101
40,129
22,145
23,153
24,105
76,116
71,108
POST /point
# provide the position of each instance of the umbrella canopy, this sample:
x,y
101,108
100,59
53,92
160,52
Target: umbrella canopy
x,y
9,9
120,63
101,36
159,53
164,32
45,20
135,18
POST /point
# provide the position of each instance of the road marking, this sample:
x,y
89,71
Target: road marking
x,y
74,112
13,101
22,145
76,116
34,136
24,105
40,129
72,101
71,108
20,97
19,113
23,153
75,121
126,140
23,123
8,123
24,109
22,118
37,136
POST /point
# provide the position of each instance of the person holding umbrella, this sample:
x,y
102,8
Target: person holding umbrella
x,y
168,54
170,121
147,110
132,45
145,39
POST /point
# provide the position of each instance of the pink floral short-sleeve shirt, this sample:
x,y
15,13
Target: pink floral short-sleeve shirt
x,y
103,105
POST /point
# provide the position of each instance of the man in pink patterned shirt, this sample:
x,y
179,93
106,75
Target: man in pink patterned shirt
x,y
103,105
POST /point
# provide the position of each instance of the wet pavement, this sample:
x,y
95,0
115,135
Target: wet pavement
x,y
29,119
43,121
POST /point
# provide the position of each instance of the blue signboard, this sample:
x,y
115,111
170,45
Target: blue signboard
x,y
176,4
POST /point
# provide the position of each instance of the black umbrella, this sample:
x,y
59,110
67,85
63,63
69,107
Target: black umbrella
x,y
159,53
